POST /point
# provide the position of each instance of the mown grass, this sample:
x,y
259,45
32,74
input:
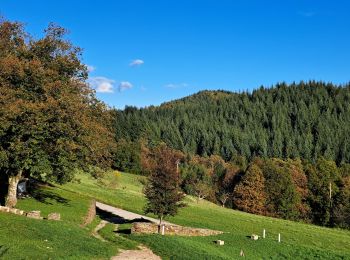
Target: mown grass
x,y
108,232
299,241
26,238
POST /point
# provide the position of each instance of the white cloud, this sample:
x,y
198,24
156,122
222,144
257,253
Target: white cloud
x,y
136,63
124,85
102,84
176,85
90,68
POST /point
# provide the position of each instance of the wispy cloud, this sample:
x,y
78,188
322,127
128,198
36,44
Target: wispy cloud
x,y
136,63
176,85
90,68
124,85
102,84
306,13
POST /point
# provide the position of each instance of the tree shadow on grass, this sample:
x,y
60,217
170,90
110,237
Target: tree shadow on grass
x,y
3,250
110,217
44,195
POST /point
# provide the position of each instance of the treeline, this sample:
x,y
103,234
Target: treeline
x,y
282,151
292,189
304,120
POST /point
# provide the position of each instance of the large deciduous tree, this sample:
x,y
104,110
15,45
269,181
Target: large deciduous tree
x,y
50,120
162,190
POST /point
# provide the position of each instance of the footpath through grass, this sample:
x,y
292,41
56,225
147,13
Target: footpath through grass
x,y
25,238
299,241
22,238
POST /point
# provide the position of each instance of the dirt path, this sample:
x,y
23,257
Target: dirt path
x,y
126,214
142,254
97,228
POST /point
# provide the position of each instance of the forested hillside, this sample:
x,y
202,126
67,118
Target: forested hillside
x,y
304,120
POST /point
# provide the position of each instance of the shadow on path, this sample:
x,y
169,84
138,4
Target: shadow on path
x,y
110,217
115,219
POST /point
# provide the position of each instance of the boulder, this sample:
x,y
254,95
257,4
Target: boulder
x,y
54,216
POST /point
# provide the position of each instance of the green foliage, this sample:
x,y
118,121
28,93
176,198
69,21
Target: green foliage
x,y
282,197
323,181
306,119
50,119
127,156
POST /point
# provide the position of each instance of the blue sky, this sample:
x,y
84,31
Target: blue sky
x,y
147,52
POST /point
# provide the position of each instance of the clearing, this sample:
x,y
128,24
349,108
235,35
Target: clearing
x,y
28,238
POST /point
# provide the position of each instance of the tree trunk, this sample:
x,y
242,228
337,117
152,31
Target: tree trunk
x,y
11,198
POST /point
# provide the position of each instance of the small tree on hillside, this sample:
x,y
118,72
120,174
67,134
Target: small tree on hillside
x,y
162,190
249,194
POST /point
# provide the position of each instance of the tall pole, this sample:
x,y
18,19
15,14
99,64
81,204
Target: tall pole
x,y
330,194
177,166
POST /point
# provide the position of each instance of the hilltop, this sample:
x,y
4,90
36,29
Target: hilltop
x,y
300,120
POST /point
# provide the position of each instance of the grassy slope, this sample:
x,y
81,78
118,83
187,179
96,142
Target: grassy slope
x,y
24,238
21,237
298,240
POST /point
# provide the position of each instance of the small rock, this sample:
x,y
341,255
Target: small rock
x,y
254,237
13,210
4,209
220,242
34,214
241,253
54,216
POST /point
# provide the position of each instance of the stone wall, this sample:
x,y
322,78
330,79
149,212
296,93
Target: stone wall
x,y
151,228
31,214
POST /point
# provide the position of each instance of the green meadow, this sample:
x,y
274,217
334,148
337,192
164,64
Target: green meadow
x,y
21,237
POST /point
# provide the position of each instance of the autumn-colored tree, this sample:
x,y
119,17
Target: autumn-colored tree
x,y
249,195
50,120
162,190
300,182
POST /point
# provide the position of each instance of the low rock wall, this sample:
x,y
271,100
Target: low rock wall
x,y
151,228
31,214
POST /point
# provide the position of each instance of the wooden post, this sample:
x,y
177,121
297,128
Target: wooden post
x,y
264,233
279,237
163,229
